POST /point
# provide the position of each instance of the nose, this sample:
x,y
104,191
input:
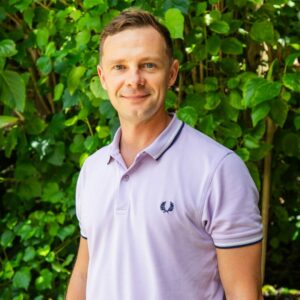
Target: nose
x,y
135,78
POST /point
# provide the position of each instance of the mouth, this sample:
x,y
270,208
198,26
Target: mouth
x,y
138,96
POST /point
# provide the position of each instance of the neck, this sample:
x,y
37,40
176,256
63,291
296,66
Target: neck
x,y
136,137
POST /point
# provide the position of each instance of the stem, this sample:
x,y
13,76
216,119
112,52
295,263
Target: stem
x,y
38,94
20,116
271,128
89,126
201,71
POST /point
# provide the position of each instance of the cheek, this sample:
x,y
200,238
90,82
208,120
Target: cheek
x,y
113,84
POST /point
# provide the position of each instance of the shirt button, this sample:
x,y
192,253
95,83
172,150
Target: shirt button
x,y
126,177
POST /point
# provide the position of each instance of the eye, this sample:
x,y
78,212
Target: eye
x,y
118,67
149,66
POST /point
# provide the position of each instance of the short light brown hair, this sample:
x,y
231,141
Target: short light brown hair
x,y
135,18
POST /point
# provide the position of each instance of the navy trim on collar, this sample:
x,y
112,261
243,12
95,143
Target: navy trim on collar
x,y
159,146
171,144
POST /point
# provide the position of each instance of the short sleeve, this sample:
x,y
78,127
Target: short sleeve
x,y
231,215
79,201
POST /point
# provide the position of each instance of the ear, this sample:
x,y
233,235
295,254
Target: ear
x,y
174,68
101,76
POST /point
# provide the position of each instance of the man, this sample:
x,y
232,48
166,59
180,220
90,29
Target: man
x,y
165,212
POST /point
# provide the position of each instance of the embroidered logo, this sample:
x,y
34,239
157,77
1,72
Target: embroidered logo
x,y
166,209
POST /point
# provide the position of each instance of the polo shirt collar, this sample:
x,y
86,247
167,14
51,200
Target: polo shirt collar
x,y
161,144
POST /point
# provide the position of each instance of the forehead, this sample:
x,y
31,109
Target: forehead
x,y
134,42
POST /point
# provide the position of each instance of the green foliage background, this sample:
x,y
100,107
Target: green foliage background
x,y
239,83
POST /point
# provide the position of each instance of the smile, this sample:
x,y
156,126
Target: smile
x,y
135,96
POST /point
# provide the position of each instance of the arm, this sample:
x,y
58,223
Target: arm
x,y
240,272
77,285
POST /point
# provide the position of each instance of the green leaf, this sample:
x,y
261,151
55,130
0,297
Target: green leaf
x,y
22,278
7,48
212,101
188,114
259,153
91,3
250,142
50,49
292,81
230,129
71,121
255,174
103,131
91,143
77,146
215,15
290,144
230,66
236,100
42,36
83,37
44,281
12,90
243,153
8,270
28,16
220,27
44,65
182,5
232,46
35,125
259,112
170,100
174,21
97,89
201,8
258,90
240,3
51,193
210,84
7,238
58,90
66,231
58,155
7,121
90,22
30,188
68,260
26,231
11,141
213,44
107,109
292,59
70,100
29,254
233,83
74,78
43,251
274,68
279,111
208,125
262,31
297,122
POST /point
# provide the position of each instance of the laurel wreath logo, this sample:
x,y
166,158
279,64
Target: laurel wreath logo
x,y
167,210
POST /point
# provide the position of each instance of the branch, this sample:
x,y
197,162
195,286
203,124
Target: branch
x,y
271,129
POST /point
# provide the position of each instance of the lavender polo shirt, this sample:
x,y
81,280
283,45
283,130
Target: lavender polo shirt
x,y
152,229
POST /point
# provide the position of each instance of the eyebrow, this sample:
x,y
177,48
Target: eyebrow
x,y
144,59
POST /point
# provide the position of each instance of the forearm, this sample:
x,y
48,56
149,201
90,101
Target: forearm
x,y
77,286
244,294
240,272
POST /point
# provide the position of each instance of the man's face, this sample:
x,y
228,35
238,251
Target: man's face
x,y
136,72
